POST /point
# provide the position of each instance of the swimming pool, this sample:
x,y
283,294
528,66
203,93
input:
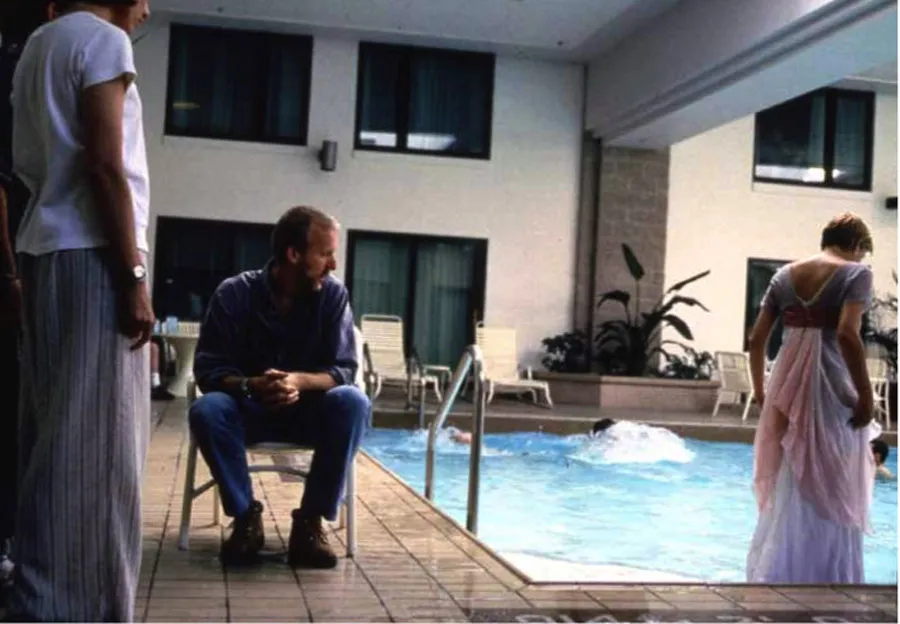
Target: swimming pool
x,y
644,499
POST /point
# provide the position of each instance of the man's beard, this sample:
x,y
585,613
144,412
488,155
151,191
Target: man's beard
x,y
307,284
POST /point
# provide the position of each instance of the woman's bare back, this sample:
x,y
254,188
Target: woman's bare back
x,y
810,277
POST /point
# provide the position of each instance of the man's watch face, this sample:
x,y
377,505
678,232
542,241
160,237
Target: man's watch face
x,y
139,272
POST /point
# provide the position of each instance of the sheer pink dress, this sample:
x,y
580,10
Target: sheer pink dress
x,y
813,473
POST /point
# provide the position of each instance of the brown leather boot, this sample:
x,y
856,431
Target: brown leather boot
x,y
247,537
308,545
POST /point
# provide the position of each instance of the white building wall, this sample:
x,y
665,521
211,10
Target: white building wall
x,y
524,200
718,218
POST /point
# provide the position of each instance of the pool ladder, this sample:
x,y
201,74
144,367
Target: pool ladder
x,y
471,360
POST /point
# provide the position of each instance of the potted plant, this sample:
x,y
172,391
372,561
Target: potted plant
x,y
624,373
629,345
690,365
567,353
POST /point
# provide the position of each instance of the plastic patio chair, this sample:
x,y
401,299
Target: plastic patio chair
x,y
501,365
734,380
347,519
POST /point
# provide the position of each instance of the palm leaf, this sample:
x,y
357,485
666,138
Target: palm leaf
x,y
683,283
634,265
680,326
619,296
688,301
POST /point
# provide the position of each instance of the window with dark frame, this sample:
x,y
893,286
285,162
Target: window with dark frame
x,y
424,101
193,256
760,272
436,284
823,139
238,85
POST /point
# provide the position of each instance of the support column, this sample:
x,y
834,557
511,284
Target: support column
x,y
633,203
624,199
586,235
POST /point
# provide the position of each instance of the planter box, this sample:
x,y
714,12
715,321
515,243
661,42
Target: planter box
x,y
572,388
650,393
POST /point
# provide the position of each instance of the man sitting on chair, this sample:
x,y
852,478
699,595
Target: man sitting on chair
x,y
276,361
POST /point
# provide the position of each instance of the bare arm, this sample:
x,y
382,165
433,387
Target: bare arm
x,y
102,109
10,289
852,348
759,337
6,246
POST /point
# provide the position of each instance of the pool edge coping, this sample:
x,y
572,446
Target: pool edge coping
x,y
701,430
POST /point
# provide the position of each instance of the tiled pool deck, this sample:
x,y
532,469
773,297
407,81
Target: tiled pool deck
x,y
413,564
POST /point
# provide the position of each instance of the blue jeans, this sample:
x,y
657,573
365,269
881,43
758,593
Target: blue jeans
x,y
332,423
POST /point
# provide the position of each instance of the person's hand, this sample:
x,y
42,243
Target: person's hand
x,y
862,413
278,388
136,316
11,312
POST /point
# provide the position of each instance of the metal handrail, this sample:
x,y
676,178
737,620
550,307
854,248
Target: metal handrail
x,y
472,358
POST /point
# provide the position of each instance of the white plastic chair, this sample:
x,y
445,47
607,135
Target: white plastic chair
x,y
347,512
383,335
734,380
501,364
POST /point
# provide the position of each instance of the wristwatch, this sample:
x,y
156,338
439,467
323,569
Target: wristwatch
x,y
245,388
139,273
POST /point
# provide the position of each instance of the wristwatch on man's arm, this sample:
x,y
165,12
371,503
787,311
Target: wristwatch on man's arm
x,y
235,385
246,391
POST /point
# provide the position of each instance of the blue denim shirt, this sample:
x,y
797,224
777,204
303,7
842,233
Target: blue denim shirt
x,y
244,334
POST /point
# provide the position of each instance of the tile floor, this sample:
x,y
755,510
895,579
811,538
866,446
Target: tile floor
x,y
413,564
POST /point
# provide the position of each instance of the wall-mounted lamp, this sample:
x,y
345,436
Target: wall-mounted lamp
x,y
328,156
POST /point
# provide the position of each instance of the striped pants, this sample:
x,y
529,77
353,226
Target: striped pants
x,y
84,427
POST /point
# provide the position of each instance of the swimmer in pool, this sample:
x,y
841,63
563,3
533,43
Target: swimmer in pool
x,y
881,450
460,437
464,437
601,425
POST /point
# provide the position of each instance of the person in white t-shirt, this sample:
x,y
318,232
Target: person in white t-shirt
x,y
78,145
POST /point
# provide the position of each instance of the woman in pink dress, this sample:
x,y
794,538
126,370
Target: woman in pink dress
x,y
813,467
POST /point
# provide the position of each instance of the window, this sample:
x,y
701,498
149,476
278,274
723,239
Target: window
x,y
823,138
759,274
436,285
424,101
238,85
192,256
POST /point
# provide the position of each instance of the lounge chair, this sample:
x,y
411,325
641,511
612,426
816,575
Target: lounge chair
x,y
501,365
385,352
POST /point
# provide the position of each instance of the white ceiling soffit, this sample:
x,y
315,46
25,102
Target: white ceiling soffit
x,y
854,40
566,30
880,79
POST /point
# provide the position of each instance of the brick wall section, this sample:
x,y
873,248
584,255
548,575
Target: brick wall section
x,y
633,203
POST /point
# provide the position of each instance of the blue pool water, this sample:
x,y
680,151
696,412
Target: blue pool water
x,y
643,499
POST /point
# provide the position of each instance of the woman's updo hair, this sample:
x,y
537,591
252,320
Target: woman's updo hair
x,y
847,232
